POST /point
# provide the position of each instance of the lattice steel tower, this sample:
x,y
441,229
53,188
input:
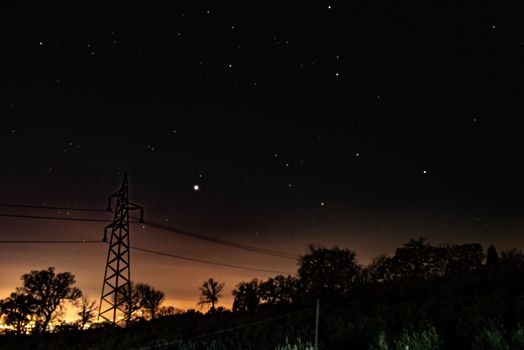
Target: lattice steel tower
x,y
116,290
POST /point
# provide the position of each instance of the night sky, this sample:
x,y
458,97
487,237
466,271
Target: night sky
x,y
358,125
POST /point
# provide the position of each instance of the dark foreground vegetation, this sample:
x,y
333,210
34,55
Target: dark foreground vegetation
x,y
423,297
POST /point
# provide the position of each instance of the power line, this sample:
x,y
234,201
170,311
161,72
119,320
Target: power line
x,y
206,261
187,233
49,242
231,244
21,216
151,251
180,341
9,205
195,235
271,319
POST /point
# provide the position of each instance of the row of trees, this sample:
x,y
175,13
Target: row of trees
x,y
334,273
146,303
328,273
44,294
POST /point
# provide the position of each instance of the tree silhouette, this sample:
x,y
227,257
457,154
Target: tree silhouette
x,y
151,299
379,270
247,296
131,304
17,310
210,293
145,300
168,311
462,258
492,257
49,291
328,273
416,260
512,258
279,290
87,311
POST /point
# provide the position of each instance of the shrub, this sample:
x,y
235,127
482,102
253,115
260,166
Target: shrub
x,y
491,338
380,342
426,339
297,346
517,339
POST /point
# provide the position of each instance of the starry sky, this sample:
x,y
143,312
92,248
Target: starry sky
x,y
359,125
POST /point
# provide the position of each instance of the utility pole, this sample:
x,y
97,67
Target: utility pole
x,y
317,315
115,300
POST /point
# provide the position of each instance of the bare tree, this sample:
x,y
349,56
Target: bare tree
x,y
49,290
145,301
151,299
210,293
87,311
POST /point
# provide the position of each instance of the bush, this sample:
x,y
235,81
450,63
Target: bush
x,y
380,342
491,338
427,339
517,339
297,346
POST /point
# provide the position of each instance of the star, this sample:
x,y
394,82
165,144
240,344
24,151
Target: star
x,y
196,187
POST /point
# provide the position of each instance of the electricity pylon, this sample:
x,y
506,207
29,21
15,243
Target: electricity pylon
x,y
116,290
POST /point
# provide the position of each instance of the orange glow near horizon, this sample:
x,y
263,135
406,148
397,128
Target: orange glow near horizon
x,y
180,279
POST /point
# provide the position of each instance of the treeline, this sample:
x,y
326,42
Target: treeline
x,y
38,305
421,297
333,274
